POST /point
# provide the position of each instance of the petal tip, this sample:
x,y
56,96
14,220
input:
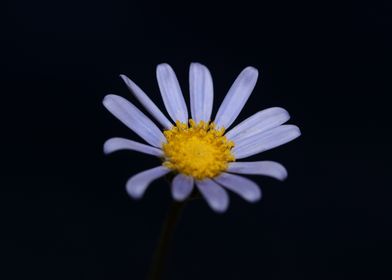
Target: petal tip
x,y
297,130
251,71
133,191
179,198
220,209
197,64
106,147
280,172
124,78
108,98
255,198
283,177
109,146
163,66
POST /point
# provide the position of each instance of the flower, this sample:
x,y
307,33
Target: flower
x,y
198,150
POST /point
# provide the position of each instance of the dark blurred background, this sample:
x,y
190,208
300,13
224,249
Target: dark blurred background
x,y
64,210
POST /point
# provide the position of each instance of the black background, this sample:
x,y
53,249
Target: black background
x,y
64,210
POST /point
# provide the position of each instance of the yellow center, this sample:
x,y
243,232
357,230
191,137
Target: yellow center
x,y
198,150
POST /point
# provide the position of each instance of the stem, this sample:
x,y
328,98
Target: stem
x,y
165,239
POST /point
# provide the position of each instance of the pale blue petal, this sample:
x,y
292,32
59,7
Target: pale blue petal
x,y
257,123
182,187
236,97
266,168
245,188
265,141
216,197
137,184
147,102
171,93
201,92
116,144
133,118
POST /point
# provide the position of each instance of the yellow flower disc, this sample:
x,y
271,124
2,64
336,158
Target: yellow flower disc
x,y
198,150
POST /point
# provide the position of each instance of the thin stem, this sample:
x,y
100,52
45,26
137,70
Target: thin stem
x,y
162,250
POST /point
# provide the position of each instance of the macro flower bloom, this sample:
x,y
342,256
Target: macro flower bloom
x,y
199,150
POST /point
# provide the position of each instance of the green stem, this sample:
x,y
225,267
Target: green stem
x,y
162,250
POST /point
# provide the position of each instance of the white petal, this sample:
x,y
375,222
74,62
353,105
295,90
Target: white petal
x,y
216,197
259,122
201,92
137,184
117,143
182,187
132,117
266,168
147,102
171,93
236,97
265,141
245,188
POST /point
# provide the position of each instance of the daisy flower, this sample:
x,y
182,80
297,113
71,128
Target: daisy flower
x,y
200,150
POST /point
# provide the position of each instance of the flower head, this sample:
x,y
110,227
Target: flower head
x,y
198,150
